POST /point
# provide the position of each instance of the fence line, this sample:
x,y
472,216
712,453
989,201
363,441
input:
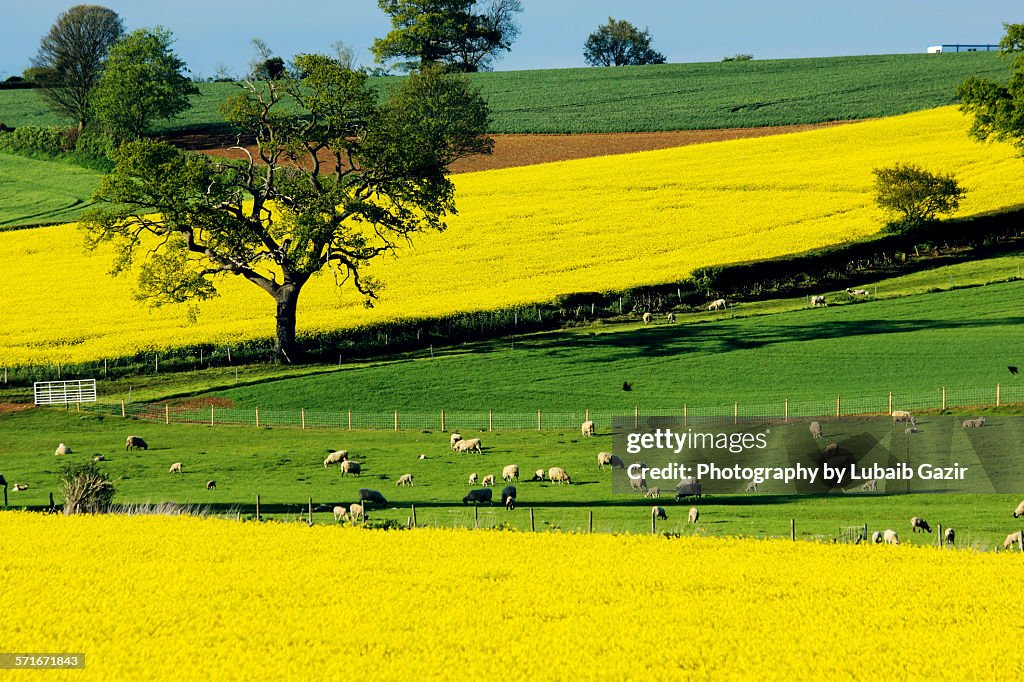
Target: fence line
x,y
447,420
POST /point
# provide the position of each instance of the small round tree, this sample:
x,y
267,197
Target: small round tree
x,y
915,196
87,490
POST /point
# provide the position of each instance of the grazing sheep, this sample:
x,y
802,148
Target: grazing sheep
x,y
891,538
693,516
647,318
477,496
659,513
858,292
910,429
902,417
210,485
405,479
559,475
99,458
135,443
538,475
336,457
974,423
175,468
488,481
472,479
510,472
421,457
508,497
816,429
473,444
653,492
587,428
949,536
1011,539
876,537
456,437
671,317
1019,511
357,511
870,486
350,467
751,487
340,513
366,495
818,301
638,485
62,450
831,450
18,487
919,524
688,487
717,304
604,459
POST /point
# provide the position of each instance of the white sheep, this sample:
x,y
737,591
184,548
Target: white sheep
x,y
653,492
816,430
510,472
974,423
488,481
818,301
647,318
917,524
18,487
405,479
910,429
659,513
831,450
473,444
587,428
693,516
340,513
472,479
558,475
62,450
671,317
858,292
604,459
876,537
637,485
350,467
870,486
99,458
210,485
538,475
902,417
455,438
135,443
175,468
891,538
751,487
336,457
421,457
357,511
717,304
949,536
1019,511
1011,539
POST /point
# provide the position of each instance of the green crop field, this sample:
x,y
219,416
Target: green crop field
x,y
284,467
33,192
670,96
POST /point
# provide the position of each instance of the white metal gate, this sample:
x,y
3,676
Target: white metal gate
x,y
64,392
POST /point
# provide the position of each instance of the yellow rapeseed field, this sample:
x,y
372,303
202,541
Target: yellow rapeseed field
x,y
191,599
527,234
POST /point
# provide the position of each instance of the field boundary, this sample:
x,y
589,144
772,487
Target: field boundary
x,y
443,420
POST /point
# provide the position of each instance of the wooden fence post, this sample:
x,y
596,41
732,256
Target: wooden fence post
x,y
685,414
590,522
396,420
302,417
838,405
636,416
538,420
786,411
211,416
414,524
442,421
257,507
123,415
257,417
5,494
735,412
1020,538
997,395
792,529
865,532
490,420
309,518
476,515
654,525
890,402
350,420
532,527
943,398
53,507
942,543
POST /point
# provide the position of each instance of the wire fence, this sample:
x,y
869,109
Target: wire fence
x,y
541,420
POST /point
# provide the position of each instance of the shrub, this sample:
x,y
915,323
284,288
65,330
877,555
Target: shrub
x,y
87,490
916,196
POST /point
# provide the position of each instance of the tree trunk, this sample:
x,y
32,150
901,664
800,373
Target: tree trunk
x,y
287,298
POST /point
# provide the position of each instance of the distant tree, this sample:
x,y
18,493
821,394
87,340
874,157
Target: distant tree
x,y
620,43
738,58
915,195
340,177
344,55
998,110
144,81
70,59
464,35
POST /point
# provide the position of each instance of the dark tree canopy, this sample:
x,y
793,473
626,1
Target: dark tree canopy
x,y
464,35
144,81
70,58
338,178
997,109
916,196
620,43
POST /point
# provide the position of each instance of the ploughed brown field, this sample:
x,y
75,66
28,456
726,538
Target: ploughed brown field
x,y
526,150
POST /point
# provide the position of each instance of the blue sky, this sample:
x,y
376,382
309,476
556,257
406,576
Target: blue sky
x,y
214,32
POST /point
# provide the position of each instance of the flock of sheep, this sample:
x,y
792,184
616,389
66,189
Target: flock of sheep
x,y
720,304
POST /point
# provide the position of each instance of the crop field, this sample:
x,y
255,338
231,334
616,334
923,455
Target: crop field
x,y
668,97
337,603
658,216
33,192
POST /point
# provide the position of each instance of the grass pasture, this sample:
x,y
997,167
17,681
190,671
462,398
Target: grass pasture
x,y
284,466
34,192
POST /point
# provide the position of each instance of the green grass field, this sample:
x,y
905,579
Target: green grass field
x,y
284,467
34,192
669,96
